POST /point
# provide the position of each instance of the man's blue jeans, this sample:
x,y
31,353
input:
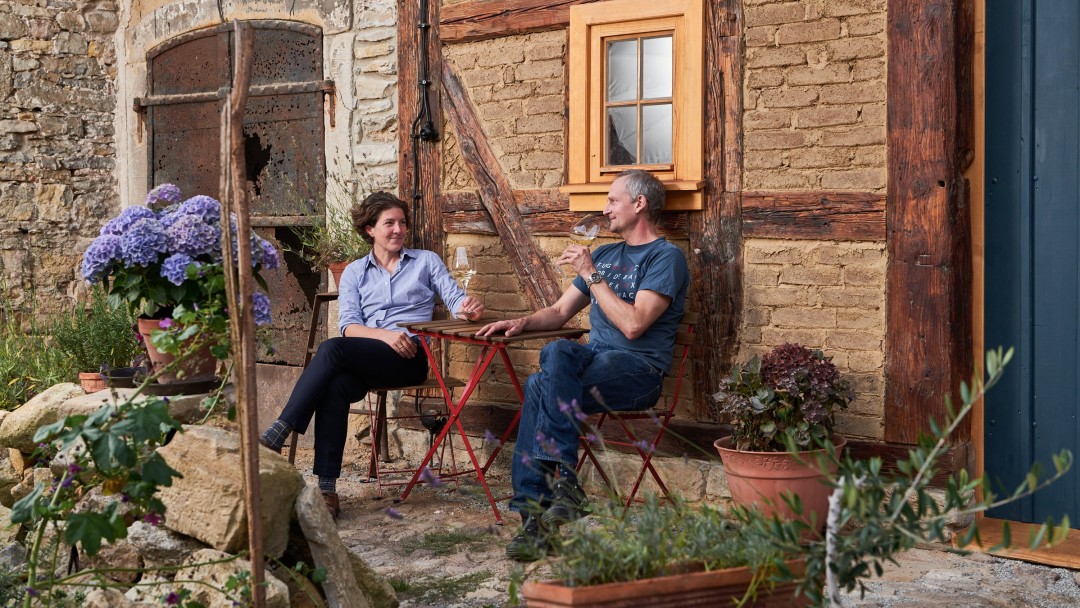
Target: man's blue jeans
x,y
564,386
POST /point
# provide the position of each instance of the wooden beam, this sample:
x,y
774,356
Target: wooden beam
x,y
714,232
928,281
527,260
841,216
683,438
426,223
482,19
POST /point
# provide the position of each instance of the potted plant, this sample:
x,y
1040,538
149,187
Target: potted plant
x,y
97,339
668,554
163,261
330,241
785,401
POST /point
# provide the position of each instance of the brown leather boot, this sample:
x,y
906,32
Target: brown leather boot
x,y
332,503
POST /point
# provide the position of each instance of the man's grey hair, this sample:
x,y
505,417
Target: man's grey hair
x,y
642,183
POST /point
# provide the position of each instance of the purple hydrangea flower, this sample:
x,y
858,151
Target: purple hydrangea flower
x,y
261,306
267,254
103,251
163,196
205,207
174,268
143,242
119,224
189,234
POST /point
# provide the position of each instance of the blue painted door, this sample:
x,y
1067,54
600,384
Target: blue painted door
x,y
1033,245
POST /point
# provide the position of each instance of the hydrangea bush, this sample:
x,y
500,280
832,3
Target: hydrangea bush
x,y
793,392
163,259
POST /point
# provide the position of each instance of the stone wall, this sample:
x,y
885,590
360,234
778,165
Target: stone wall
x,y
814,95
57,143
826,295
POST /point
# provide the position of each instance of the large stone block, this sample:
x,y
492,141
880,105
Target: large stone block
x,y
207,577
328,551
208,502
18,428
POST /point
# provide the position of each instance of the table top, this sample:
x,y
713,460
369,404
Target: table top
x,y
457,328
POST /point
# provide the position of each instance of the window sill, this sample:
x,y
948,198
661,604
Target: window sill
x,y
681,195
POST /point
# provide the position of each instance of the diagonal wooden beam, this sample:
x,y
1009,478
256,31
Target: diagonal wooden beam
x,y
497,195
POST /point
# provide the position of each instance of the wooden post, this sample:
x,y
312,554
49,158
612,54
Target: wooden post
x,y
240,282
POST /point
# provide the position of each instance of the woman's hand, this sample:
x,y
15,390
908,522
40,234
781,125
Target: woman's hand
x,y
400,342
471,309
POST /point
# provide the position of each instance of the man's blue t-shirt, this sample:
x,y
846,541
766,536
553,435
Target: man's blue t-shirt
x,y
656,266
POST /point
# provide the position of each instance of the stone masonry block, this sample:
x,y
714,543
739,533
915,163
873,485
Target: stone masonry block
x,y
765,78
537,70
764,57
868,69
826,116
516,91
774,14
796,97
862,47
853,136
544,123
855,179
760,36
848,318
817,157
866,360
479,78
780,180
855,339
810,275
865,25
810,338
874,114
849,253
768,159
853,297
761,275
757,316
771,251
767,119
804,317
845,8
852,92
794,33
810,75
865,275
544,105
774,140
778,296
861,426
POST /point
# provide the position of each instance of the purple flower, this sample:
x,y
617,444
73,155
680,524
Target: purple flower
x,y
573,409
31,592
591,438
74,469
547,444
490,437
166,323
119,224
393,513
99,256
143,242
261,306
644,446
173,599
163,196
189,234
153,518
266,254
174,268
202,206
430,478
526,460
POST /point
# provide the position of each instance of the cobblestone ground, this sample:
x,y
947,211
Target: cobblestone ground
x,y
441,548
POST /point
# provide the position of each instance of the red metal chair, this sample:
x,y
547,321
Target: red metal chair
x,y
645,447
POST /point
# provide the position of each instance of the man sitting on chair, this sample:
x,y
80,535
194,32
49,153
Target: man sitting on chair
x,y
638,289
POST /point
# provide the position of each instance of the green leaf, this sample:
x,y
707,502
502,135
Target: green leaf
x,y
156,470
23,510
110,452
88,529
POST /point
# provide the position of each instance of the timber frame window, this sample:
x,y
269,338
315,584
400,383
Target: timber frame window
x,y
636,98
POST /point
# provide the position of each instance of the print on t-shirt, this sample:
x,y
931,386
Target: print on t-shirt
x,y
622,278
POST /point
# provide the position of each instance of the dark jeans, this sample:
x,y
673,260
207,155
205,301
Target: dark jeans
x,y
548,430
341,373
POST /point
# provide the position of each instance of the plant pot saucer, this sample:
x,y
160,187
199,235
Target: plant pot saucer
x,y
183,387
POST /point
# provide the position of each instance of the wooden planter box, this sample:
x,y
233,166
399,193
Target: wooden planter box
x,y
715,588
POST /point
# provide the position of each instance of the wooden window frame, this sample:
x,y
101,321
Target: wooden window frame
x,y
590,24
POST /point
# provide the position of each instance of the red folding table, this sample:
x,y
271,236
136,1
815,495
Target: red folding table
x,y
465,332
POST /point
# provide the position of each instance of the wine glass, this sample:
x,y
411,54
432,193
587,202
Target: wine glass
x,y
462,267
584,231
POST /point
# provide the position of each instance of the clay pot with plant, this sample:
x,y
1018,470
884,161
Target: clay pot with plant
x,y
97,338
782,409
330,241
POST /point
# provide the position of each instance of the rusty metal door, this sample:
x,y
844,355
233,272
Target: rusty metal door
x,y
188,79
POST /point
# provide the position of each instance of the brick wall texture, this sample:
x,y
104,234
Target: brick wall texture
x,y
825,295
814,95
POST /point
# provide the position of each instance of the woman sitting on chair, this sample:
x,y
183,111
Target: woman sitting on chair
x,y
390,285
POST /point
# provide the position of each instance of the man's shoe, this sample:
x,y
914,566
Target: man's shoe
x,y
531,543
332,503
568,503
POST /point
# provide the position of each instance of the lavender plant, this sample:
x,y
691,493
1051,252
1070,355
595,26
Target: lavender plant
x,y
793,392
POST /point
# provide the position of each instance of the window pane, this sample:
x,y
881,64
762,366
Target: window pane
x,y
656,64
622,136
622,70
656,134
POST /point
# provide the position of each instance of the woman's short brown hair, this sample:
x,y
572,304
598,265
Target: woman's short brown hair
x,y
365,214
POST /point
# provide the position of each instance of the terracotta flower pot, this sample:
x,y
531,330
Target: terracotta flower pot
x,y
92,382
199,366
759,478
336,269
715,588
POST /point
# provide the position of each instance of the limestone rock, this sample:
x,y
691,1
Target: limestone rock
x,y
12,557
9,476
117,558
9,532
327,551
376,588
113,598
18,428
31,478
302,592
160,546
217,575
208,502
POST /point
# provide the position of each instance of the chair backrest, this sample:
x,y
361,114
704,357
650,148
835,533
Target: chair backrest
x,y
684,341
